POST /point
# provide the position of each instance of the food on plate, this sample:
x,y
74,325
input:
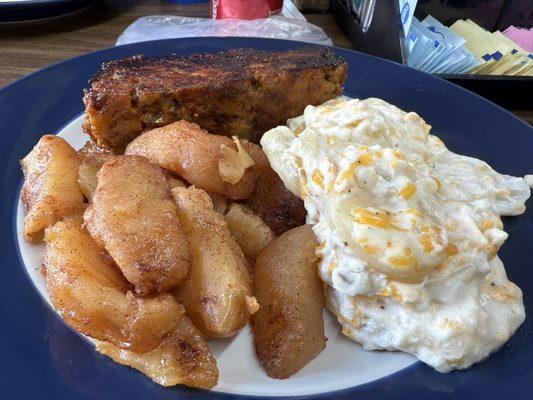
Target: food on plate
x,y
271,200
172,225
133,216
175,182
288,328
91,295
217,293
87,178
190,152
233,161
182,357
241,92
248,229
91,160
408,231
94,154
220,203
50,191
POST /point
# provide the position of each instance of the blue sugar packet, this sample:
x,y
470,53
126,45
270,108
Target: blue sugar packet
x,y
465,64
430,45
407,10
436,46
473,62
444,32
410,41
450,39
420,44
458,62
451,62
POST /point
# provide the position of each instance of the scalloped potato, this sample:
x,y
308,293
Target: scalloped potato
x,y
91,295
217,293
288,328
133,217
50,191
408,230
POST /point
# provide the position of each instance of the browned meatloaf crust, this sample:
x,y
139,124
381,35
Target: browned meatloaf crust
x,y
240,92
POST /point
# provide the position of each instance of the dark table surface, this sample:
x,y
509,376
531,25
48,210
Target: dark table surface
x,y
26,48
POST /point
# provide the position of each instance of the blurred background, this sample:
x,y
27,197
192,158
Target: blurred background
x,y
483,45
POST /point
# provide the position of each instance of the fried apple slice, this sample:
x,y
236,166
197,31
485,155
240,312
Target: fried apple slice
x,y
50,191
91,159
183,357
174,182
249,230
202,159
220,203
288,328
217,294
92,152
135,219
87,179
91,295
271,200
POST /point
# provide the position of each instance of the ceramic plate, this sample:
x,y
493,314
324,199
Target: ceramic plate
x,y
23,11
40,357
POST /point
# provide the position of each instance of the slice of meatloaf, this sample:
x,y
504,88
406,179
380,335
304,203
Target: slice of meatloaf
x,y
240,92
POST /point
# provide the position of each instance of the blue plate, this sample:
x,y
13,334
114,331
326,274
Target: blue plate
x,y
41,358
18,11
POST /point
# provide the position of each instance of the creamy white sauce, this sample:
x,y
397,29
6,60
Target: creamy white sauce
x,y
408,231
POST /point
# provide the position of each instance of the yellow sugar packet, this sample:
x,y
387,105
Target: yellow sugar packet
x,y
495,53
504,39
518,70
506,63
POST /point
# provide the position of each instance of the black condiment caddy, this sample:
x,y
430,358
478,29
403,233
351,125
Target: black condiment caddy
x,y
385,38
